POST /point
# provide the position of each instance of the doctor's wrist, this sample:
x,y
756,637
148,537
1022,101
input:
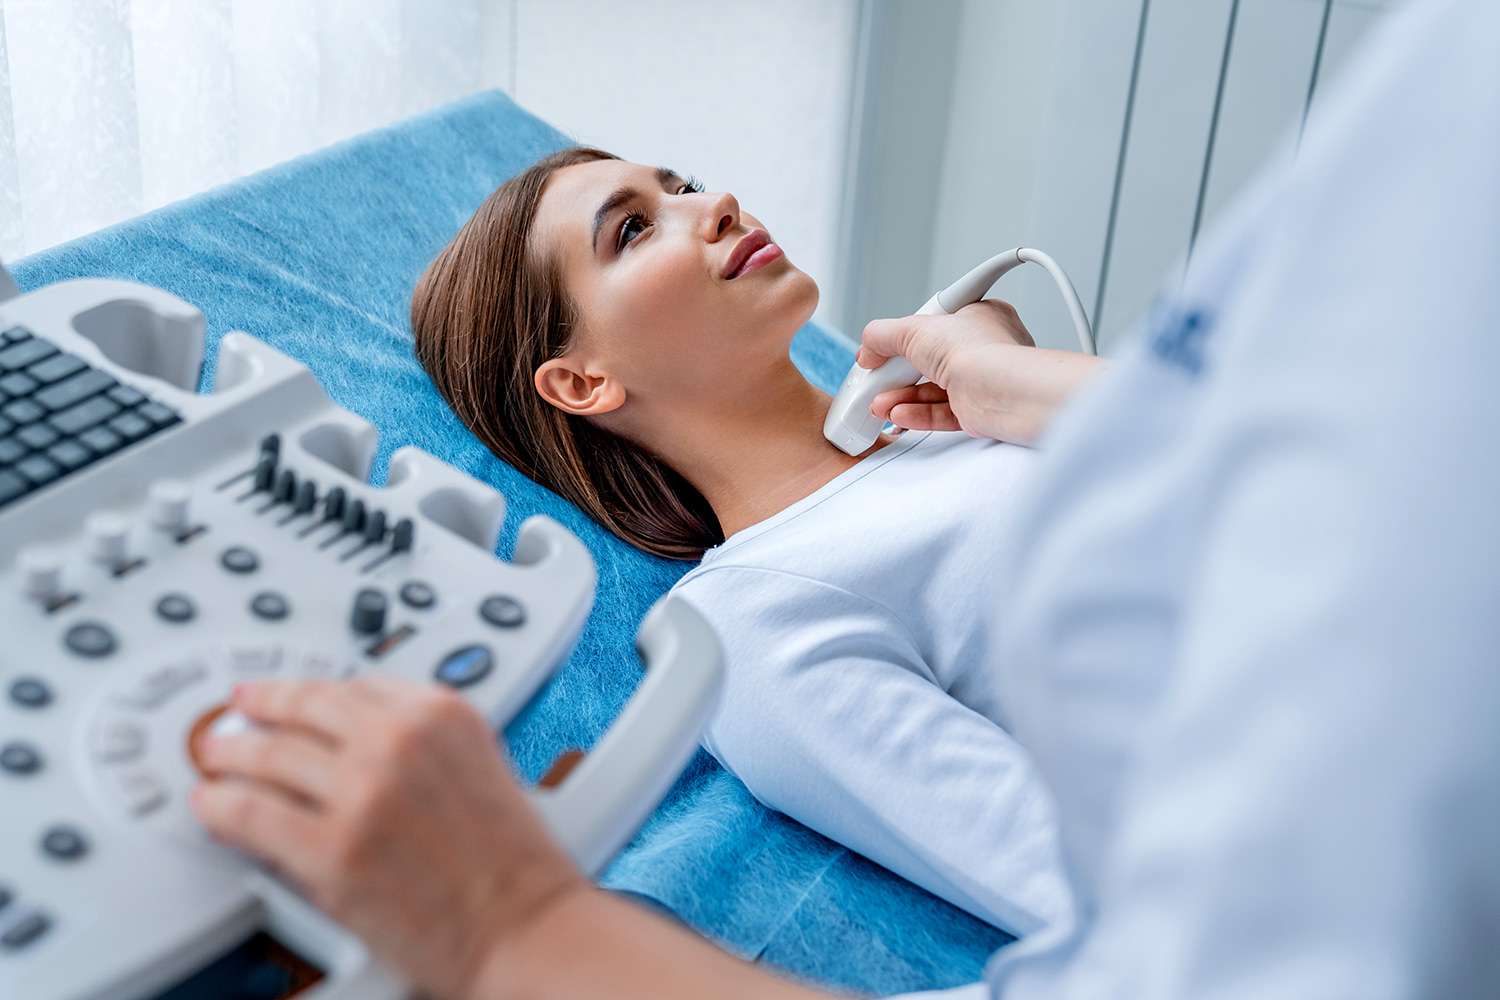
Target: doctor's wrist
x,y
515,962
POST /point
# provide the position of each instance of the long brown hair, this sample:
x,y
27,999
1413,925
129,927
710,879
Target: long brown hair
x,y
487,312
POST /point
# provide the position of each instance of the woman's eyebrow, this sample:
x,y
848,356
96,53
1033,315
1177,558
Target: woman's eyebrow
x,y
664,176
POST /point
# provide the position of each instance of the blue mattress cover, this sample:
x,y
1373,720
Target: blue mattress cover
x,y
318,257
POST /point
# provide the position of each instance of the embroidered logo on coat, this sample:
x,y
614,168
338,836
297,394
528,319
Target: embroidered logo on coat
x,y
1179,336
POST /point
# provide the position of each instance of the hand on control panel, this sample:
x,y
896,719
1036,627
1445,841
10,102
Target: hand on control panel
x,y
388,804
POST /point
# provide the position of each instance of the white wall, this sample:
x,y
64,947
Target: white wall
x,y
1107,132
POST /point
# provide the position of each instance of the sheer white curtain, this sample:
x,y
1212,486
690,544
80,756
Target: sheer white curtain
x,y
112,107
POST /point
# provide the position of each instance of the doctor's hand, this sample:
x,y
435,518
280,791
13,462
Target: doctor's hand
x,y
389,805
987,376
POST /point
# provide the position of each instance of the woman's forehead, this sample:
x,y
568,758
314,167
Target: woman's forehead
x,y
572,194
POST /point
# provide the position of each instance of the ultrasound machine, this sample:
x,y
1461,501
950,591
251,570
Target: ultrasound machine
x,y
158,545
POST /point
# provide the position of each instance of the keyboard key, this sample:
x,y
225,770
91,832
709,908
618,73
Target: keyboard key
x,y
18,356
22,411
129,426
157,415
126,395
6,427
14,335
85,414
18,384
12,486
101,440
70,455
11,450
56,367
38,469
37,435
72,390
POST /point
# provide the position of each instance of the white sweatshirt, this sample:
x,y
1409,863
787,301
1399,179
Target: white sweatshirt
x,y
862,697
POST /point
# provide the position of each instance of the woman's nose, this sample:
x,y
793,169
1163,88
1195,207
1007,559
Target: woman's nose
x,y
723,216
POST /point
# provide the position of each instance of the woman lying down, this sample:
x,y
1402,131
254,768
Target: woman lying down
x,y
621,336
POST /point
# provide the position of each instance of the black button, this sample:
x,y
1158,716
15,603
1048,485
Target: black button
x,y
375,526
269,605
157,415
37,435
239,559
30,692
12,486
69,454
56,367
26,930
20,355
38,469
14,335
89,639
368,616
176,608
11,449
129,426
505,612
85,414
465,666
126,395
64,843
18,384
403,535
102,440
354,516
333,504
23,411
307,496
74,389
20,758
416,594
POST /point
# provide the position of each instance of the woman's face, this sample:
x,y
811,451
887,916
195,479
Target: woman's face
x,y
647,259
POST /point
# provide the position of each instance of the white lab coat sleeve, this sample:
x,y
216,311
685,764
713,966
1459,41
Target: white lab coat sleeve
x,y
830,716
1315,812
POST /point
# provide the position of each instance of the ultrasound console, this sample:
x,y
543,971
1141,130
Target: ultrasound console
x,y
158,545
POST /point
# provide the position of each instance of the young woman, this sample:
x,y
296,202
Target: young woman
x,y
621,336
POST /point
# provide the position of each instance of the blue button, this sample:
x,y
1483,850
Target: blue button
x,y
465,666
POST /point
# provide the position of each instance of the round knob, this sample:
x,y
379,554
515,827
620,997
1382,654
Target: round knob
x,y
167,502
369,611
108,534
41,568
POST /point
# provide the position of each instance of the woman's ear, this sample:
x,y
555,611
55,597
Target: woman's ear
x,y
566,385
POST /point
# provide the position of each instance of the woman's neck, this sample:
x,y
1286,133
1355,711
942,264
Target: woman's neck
x,y
760,451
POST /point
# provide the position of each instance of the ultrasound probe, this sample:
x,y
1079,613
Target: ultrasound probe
x,y
850,425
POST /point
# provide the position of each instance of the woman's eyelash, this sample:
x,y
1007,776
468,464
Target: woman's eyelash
x,y
691,184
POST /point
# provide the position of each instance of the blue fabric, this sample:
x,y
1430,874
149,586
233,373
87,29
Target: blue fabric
x,y
318,258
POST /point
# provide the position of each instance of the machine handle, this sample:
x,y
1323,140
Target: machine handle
x,y
602,801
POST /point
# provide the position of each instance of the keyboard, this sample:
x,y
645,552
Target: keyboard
x,y
157,546
58,413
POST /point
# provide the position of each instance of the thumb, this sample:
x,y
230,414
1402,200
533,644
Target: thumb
x,y
909,337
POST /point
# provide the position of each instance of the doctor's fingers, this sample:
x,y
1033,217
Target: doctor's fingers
x,y
262,821
921,407
286,759
331,711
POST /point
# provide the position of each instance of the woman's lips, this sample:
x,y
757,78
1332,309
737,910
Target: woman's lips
x,y
759,259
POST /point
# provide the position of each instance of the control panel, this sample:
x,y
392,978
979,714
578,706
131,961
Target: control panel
x,y
158,546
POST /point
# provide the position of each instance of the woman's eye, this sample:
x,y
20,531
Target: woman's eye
x,y
633,219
